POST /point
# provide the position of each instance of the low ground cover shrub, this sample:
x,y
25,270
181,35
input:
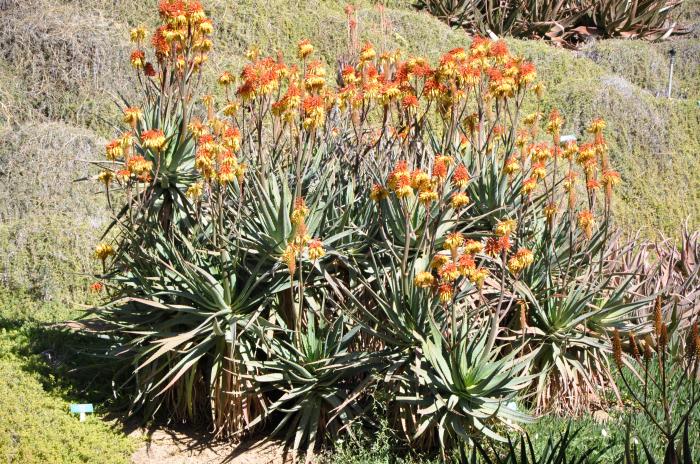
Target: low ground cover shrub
x,y
38,381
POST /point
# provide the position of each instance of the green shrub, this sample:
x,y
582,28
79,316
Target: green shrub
x,y
37,384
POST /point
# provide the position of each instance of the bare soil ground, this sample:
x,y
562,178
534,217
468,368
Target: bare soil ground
x,y
167,446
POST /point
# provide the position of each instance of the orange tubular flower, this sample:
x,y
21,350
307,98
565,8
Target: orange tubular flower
x,y
424,280
426,197
439,261
299,212
473,247
138,165
453,241
138,59
153,139
96,287
511,166
555,123
506,227
226,79
304,49
378,193
132,116
445,292
586,221
529,185
368,53
459,200
460,178
466,264
314,112
449,272
114,150
440,170
420,179
496,245
316,250
611,178
522,259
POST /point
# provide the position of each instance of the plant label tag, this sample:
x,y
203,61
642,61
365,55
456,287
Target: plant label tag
x,y
81,409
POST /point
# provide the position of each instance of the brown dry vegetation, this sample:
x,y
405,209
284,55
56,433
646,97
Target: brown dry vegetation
x,y
63,65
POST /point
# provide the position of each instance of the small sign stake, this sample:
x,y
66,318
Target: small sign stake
x,y
81,409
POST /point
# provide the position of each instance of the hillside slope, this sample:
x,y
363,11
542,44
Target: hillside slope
x,y
63,64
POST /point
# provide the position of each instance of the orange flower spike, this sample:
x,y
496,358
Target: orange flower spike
x,y
289,257
586,222
304,49
299,212
426,197
153,139
473,247
316,250
138,59
586,153
195,191
114,150
137,34
554,124
439,261
466,264
449,272
529,185
511,166
132,116
96,287
478,276
226,79
453,241
424,280
506,227
460,178
539,171
611,178
522,259
570,150
420,179
445,293
314,112
403,187
550,211
439,170
459,200
496,245
592,185
378,193
527,74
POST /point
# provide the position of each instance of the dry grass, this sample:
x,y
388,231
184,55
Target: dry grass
x,y
48,222
70,60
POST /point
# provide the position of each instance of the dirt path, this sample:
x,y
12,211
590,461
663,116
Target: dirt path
x,y
165,446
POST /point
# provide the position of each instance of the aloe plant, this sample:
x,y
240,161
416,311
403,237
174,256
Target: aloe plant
x,y
562,21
